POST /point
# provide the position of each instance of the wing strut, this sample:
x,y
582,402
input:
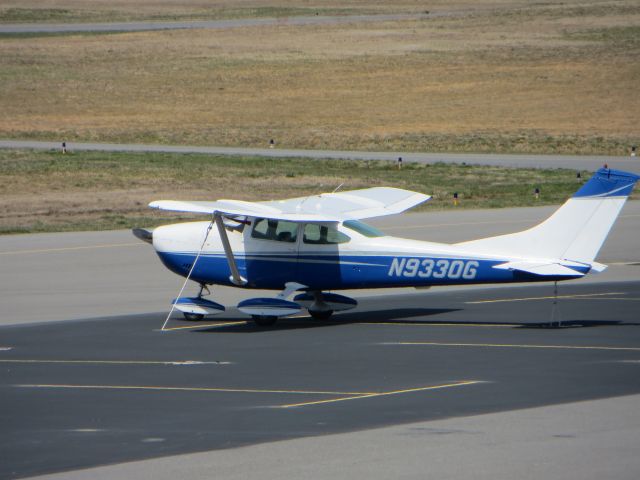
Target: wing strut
x,y
236,279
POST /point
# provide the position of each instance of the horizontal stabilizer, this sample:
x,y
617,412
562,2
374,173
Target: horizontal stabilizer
x,y
326,207
598,267
540,268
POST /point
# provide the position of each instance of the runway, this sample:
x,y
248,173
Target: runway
x,y
397,375
578,162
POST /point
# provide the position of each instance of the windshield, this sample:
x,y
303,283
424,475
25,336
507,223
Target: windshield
x,y
363,228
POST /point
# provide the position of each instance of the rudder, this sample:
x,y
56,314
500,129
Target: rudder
x,y
577,230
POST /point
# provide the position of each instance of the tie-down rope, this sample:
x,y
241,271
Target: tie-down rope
x,y
173,305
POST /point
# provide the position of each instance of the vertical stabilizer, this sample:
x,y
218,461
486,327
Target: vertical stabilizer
x,y
577,230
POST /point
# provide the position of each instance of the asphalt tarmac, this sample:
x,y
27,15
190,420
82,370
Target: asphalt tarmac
x,y
24,28
393,375
87,393
578,162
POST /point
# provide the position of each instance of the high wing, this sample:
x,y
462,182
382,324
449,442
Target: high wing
x,y
326,207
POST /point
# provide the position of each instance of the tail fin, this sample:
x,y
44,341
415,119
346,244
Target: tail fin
x,y
577,230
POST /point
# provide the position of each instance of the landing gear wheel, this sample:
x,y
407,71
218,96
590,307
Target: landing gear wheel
x,y
193,317
321,314
264,320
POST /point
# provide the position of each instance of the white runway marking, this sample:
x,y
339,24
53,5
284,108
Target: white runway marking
x,y
507,345
115,362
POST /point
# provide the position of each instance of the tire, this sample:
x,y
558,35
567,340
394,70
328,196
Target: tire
x,y
193,317
264,320
321,314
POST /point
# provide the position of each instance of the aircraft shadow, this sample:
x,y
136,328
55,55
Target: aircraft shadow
x,y
398,316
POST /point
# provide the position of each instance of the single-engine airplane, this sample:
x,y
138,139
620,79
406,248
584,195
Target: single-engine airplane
x,y
317,244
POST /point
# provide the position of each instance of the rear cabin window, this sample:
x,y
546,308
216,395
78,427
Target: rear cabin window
x,y
323,235
278,230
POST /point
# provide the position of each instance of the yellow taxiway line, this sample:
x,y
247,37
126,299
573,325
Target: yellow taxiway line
x,y
437,324
381,394
508,345
343,396
550,297
208,325
193,389
66,249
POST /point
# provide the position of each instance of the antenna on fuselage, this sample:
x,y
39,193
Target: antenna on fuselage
x,y
299,206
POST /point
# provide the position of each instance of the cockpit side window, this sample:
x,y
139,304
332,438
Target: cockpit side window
x,y
323,235
278,230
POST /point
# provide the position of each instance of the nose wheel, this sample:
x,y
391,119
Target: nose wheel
x,y
196,317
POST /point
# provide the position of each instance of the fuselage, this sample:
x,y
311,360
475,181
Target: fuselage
x,y
323,256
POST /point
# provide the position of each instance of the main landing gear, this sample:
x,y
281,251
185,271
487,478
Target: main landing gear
x,y
320,305
321,314
264,320
266,311
269,320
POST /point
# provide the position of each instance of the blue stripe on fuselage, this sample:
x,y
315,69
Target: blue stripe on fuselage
x,y
330,272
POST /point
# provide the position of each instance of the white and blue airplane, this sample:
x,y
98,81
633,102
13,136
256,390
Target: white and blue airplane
x,y
316,245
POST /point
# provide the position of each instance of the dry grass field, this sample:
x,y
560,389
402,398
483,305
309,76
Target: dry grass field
x,y
472,76
48,191
493,76
19,11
